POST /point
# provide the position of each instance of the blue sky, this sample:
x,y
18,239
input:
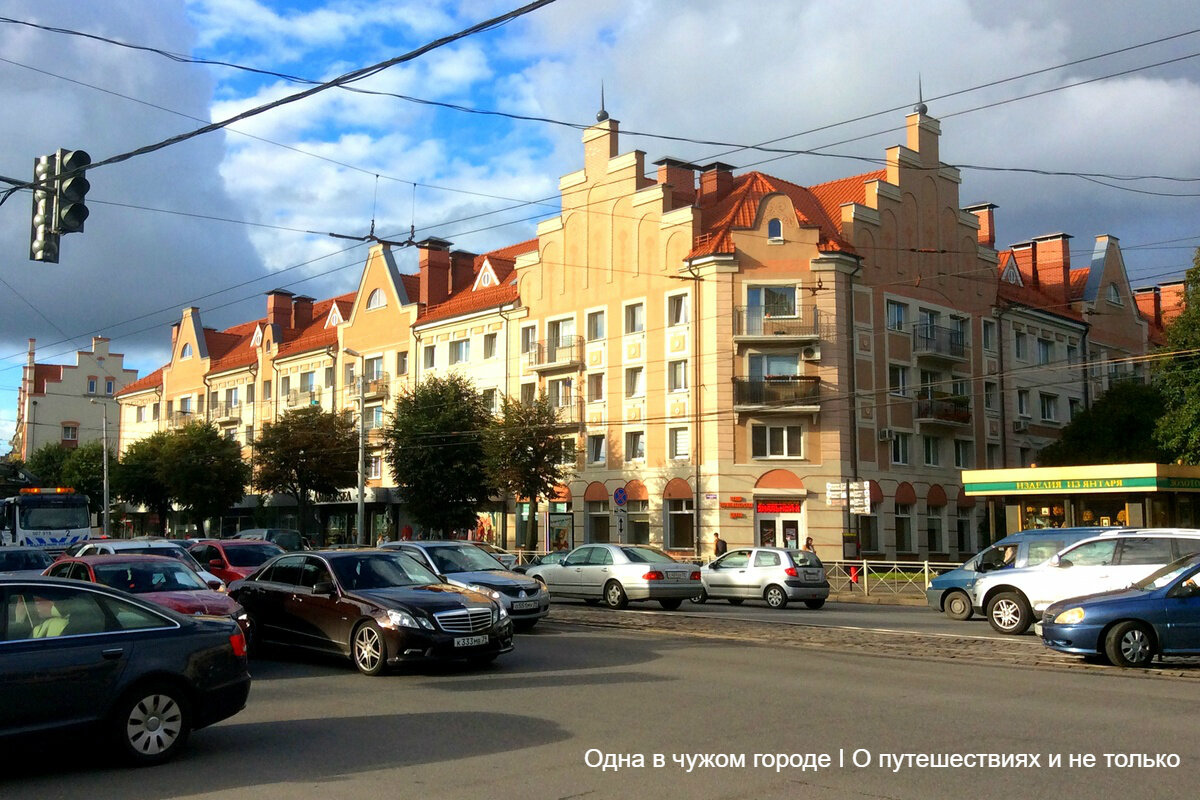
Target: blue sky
x,y
218,220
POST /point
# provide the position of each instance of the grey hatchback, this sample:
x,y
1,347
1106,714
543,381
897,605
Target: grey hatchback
x,y
770,573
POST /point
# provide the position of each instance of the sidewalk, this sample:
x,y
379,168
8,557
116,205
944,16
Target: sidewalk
x,y
881,599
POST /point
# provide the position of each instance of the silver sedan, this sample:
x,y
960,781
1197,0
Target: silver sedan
x,y
768,573
618,574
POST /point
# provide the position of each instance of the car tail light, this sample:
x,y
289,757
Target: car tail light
x,y
653,575
238,641
791,572
695,575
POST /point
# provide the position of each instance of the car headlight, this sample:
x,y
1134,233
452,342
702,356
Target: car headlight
x,y
503,611
403,619
492,593
1072,616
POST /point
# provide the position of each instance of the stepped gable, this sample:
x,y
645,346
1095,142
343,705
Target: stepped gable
x,y
835,194
471,300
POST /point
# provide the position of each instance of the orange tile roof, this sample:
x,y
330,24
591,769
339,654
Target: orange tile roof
x,y
835,194
504,260
314,336
141,384
470,302
1053,298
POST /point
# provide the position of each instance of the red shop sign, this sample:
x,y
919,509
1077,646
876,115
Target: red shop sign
x,y
779,507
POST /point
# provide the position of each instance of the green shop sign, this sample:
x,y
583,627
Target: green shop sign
x,y
1077,485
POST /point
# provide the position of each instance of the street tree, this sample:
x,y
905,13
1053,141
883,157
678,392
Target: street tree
x,y
203,470
140,479
83,471
306,454
1117,429
524,455
1177,376
46,463
435,450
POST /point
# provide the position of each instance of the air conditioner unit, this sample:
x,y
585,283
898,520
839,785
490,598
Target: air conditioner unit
x,y
886,434
811,353
1020,426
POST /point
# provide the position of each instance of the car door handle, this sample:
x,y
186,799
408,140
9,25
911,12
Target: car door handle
x,y
113,653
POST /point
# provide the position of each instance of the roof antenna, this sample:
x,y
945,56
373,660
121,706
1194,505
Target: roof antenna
x,y
920,108
374,207
601,115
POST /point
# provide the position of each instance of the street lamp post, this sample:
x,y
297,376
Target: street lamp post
x,y
105,525
362,445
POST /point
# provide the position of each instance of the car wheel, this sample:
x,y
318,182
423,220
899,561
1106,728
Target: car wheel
x,y
670,605
1130,644
775,597
958,606
815,604
152,723
1009,612
701,598
736,601
368,649
614,595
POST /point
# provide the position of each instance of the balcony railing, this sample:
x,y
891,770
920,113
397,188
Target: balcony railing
x,y
223,412
941,407
784,393
801,323
304,397
563,352
178,419
936,340
569,409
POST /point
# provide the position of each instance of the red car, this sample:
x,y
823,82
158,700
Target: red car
x,y
164,581
231,559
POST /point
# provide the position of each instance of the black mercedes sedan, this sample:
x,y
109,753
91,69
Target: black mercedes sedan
x,y
81,657
378,608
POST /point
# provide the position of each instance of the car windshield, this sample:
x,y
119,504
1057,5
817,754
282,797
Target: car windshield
x,y
177,553
805,558
140,577
55,515
647,555
1165,575
462,558
14,560
380,571
251,555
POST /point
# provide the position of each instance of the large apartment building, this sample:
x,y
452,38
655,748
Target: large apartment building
x,y
723,350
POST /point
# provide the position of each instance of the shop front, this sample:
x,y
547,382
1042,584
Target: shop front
x,y
1104,495
779,521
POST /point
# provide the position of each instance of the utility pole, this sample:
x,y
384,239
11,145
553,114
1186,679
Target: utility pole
x,y
106,528
362,444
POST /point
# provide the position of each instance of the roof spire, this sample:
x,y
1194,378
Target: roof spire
x,y
601,115
920,107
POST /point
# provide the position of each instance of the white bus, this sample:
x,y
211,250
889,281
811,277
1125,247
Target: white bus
x,y
53,518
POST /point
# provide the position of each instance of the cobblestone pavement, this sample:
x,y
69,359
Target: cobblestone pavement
x,y
1022,651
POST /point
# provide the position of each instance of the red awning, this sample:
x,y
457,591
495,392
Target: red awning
x,y
636,490
936,497
595,491
905,494
677,489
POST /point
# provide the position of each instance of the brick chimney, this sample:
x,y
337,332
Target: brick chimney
x,y
302,311
716,179
681,177
279,308
1053,258
462,270
434,270
985,213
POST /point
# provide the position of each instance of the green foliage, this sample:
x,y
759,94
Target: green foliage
x,y
46,463
435,450
203,470
83,471
1117,429
307,452
140,479
524,455
1177,377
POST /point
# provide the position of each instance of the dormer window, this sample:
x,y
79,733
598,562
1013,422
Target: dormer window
x,y
186,351
376,299
485,279
1114,294
775,231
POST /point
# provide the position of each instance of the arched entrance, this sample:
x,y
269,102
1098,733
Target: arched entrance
x,y
779,509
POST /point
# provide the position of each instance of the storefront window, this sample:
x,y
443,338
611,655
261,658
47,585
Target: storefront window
x,y
597,521
934,540
639,521
903,528
681,527
1097,509
1046,512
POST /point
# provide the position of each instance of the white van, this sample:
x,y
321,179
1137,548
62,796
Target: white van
x,y
1114,560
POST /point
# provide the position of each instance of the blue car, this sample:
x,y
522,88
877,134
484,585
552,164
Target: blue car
x,y
1158,615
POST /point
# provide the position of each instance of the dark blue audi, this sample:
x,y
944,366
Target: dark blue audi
x,y
1158,615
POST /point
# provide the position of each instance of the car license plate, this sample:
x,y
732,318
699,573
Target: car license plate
x,y
524,605
679,576
470,641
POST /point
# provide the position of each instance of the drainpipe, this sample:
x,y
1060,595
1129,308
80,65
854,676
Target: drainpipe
x,y
853,385
1000,389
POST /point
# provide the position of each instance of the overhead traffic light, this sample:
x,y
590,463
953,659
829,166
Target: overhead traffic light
x,y
43,238
70,188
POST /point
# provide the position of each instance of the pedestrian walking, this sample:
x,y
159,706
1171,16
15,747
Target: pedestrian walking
x,y
719,545
809,546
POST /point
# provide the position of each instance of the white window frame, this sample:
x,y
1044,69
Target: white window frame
x,y
460,351
376,299
597,456
595,381
489,345
635,446
635,318
900,448
429,356
677,376
635,382
677,309
678,443
788,439
596,332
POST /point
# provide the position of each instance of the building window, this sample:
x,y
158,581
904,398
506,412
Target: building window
x,y
376,299
566,450
402,362
1114,294
329,377
528,393
639,521
993,456
904,543
489,399
154,411
1020,346
528,338
678,442
933,530
989,335
308,381
560,392
596,448
989,395
962,454
489,345
635,446
635,318
595,387
1045,351
231,397
1023,402
898,379
1072,354
430,356
963,530
109,386
677,376
595,326
185,404
250,394
681,524
772,301
960,328
460,351
374,418
677,309
70,433
776,441
597,521
635,382
186,351
373,368
900,447
1074,407
775,231
375,467
139,414
91,386
267,390
1049,403
897,314
933,450
249,434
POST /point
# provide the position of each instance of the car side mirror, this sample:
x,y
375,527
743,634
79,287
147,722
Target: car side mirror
x,y
1060,562
215,585
324,587
217,563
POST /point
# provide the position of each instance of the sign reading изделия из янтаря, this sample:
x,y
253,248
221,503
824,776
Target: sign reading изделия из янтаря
x,y
1099,478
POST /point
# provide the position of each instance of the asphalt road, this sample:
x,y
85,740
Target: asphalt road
x,y
527,726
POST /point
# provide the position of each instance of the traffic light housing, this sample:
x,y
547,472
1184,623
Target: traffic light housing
x,y
43,235
70,188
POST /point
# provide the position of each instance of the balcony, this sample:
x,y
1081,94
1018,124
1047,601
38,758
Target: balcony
x,y
940,408
939,343
304,397
790,394
178,419
569,409
376,437
566,352
759,323
225,412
